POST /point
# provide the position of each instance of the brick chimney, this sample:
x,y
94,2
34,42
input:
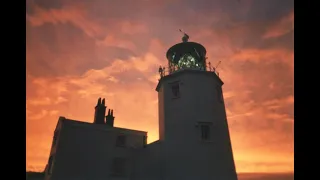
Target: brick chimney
x,y
100,112
110,118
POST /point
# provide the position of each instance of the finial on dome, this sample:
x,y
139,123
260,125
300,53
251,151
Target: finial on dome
x,y
185,37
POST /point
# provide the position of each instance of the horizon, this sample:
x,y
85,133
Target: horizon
x,y
253,176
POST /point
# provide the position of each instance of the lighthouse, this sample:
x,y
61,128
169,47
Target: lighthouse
x,y
193,124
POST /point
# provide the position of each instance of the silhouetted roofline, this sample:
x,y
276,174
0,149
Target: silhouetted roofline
x,y
182,71
66,121
155,142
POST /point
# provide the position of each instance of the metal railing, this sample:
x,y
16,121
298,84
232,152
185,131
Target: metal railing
x,y
167,70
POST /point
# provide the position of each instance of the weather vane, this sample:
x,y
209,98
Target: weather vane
x,y
185,37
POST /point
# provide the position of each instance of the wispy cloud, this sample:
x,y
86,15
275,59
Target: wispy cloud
x,y
78,51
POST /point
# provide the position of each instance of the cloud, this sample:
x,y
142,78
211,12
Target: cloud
x,y
276,103
75,15
284,26
266,176
78,51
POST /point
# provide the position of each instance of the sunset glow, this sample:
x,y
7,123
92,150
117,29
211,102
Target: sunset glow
x,y
78,51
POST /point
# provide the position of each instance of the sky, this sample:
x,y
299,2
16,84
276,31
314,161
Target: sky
x,y
80,50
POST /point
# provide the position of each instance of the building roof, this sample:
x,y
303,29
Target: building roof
x,y
66,121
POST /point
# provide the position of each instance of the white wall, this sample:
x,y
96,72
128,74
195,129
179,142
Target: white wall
x,y
85,151
149,162
186,156
161,114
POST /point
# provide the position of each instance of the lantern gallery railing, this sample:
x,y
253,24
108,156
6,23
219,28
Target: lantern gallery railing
x,y
166,70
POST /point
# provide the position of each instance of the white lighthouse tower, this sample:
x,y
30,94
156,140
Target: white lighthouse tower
x,y
192,118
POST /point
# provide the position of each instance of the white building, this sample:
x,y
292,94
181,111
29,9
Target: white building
x,y
194,141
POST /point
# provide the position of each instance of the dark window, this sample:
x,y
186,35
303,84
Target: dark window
x,y
219,93
121,141
118,167
175,90
205,131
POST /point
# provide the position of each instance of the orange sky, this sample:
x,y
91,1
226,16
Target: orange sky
x,y
78,51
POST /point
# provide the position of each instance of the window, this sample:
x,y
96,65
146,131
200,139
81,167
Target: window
x,y
121,141
219,93
205,130
175,90
118,166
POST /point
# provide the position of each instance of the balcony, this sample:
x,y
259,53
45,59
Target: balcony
x,y
172,68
